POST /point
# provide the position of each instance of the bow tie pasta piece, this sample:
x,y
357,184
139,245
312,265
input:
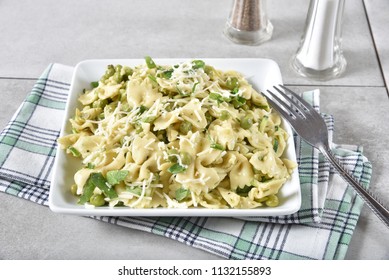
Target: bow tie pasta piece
x,y
193,113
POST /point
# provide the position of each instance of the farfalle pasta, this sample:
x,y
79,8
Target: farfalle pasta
x,y
176,136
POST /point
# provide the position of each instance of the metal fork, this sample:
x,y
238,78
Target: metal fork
x,y
311,127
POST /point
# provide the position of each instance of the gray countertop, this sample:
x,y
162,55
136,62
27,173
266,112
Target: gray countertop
x,y
36,33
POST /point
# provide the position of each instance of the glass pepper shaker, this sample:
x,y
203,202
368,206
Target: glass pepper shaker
x,y
320,55
248,23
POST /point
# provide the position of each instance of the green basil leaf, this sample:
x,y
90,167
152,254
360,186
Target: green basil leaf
x,y
74,151
196,64
94,84
176,168
142,109
137,190
152,78
181,194
217,146
167,74
99,181
150,62
275,145
89,187
244,191
116,176
216,96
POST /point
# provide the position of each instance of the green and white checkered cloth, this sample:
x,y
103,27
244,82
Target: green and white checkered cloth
x,y
321,229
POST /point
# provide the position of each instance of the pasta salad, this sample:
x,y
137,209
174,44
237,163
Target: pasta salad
x,y
176,136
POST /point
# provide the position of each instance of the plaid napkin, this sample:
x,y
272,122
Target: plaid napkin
x,y
321,229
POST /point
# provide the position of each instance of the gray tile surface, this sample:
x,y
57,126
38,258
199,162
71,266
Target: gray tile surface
x,y
379,22
12,92
37,233
68,31
36,33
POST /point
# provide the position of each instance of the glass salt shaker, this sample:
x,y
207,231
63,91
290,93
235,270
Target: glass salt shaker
x,y
320,55
248,23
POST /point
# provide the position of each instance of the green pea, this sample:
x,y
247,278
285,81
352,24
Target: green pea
x,y
109,108
208,70
185,127
117,77
125,107
138,127
209,118
103,78
232,83
101,116
100,103
246,122
110,71
118,68
97,200
186,158
171,155
73,189
245,107
169,107
161,135
127,71
272,201
224,115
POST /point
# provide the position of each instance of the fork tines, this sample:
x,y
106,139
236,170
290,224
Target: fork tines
x,y
294,106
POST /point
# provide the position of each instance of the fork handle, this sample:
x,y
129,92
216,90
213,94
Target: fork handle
x,y
374,204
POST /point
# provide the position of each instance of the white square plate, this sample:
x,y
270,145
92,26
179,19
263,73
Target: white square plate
x,y
261,73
